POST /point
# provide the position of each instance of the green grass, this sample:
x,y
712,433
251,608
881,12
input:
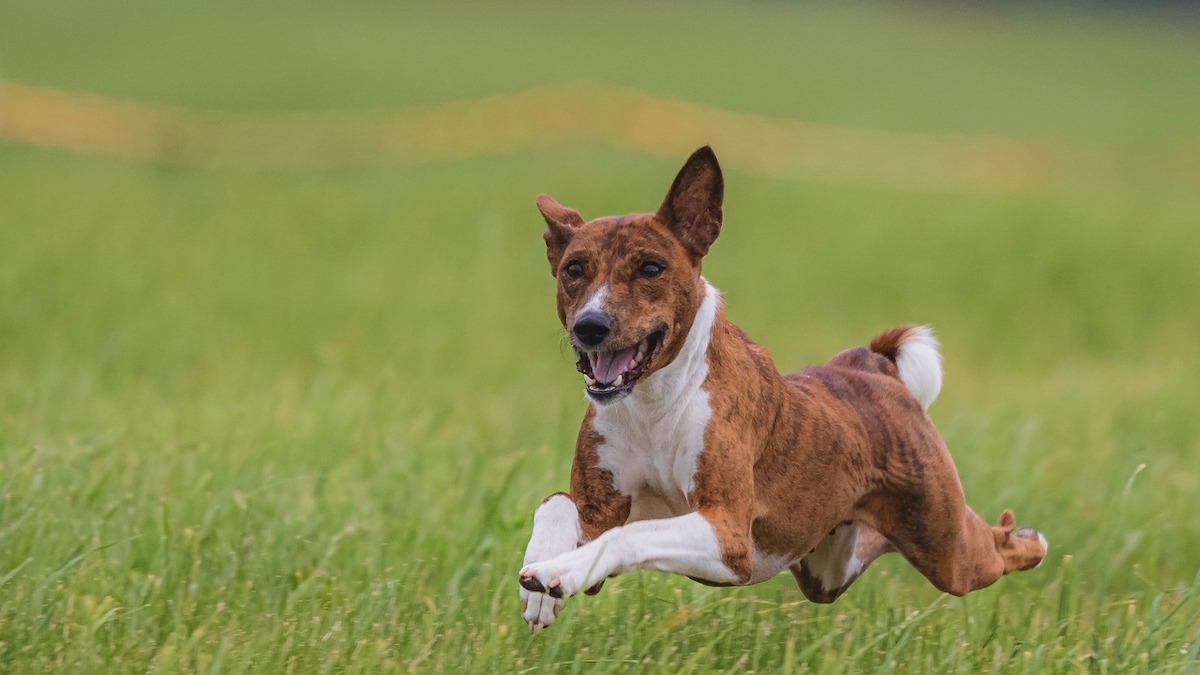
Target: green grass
x,y
270,421
1075,74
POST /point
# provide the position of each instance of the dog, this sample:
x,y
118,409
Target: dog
x,y
697,457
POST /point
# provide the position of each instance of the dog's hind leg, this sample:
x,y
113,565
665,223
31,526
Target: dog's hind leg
x,y
829,569
969,555
956,549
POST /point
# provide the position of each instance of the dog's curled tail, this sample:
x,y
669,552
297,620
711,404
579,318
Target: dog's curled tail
x,y
914,350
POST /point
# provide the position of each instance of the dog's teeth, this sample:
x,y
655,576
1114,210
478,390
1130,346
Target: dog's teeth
x,y
591,381
619,381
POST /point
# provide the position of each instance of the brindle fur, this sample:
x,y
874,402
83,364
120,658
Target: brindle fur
x,y
786,459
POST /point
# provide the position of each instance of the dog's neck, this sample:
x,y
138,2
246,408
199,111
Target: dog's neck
x,y
654,436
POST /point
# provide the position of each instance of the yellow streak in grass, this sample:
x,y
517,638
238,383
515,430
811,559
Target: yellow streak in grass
x,y
550,115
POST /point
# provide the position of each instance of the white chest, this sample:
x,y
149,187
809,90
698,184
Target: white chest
x,y
653,438
652,453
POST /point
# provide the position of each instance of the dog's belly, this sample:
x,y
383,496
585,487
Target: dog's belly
x,y
764,566
647,503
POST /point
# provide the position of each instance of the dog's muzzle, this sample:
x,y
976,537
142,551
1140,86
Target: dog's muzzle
x,y
611,374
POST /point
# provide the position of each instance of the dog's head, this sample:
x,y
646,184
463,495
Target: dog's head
x,y
629,286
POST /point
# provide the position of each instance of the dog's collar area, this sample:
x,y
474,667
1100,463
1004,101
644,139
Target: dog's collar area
x,y
611,374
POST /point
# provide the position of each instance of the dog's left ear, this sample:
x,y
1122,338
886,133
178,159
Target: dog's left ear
x,y
561,223
692,208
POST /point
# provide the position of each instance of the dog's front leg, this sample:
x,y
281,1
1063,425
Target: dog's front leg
x,y
685,544
556,530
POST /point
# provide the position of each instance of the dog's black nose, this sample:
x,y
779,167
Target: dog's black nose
x,y
592,327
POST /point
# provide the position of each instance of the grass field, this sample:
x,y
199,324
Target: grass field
x,y
258,420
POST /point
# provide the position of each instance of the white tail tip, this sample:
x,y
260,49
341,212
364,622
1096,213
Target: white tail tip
x,y
920,365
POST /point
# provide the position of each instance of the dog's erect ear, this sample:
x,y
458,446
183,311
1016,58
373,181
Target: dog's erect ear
x,y
561,223
692,208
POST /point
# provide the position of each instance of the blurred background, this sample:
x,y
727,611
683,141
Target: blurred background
x,y
281,380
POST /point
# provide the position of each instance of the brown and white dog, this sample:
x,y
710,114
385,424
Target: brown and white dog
x,y
697,457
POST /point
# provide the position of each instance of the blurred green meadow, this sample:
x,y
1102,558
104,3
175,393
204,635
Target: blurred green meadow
x,y
297,420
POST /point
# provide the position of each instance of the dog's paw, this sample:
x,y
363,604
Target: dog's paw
x,y
542,596
546,584
540,578
1037,547
1022,549
539,609
558,577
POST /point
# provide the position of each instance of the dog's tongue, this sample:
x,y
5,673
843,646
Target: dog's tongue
x,y
607,366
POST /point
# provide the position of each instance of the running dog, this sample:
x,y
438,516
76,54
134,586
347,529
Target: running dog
x,y
697,457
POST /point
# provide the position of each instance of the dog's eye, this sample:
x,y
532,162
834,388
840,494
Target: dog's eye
x,y
650,270
574,269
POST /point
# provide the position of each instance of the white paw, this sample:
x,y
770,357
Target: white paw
x,y
539,609
555,533
544,588
558,581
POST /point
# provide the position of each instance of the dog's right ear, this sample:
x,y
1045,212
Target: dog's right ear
x,y
561,222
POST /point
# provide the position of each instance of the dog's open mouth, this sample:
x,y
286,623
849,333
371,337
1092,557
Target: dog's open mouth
x,y
609,375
